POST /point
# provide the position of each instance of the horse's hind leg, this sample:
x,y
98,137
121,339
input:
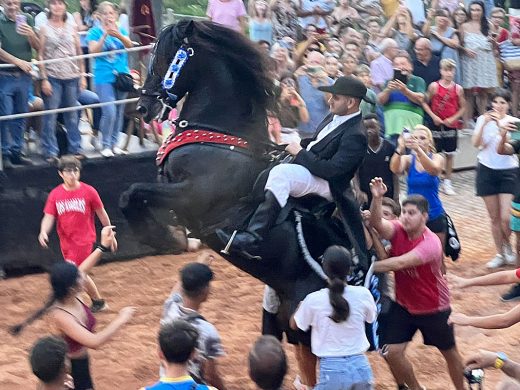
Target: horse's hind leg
x,y
137,204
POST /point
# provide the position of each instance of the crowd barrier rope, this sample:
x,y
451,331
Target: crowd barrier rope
x,y
65,109
82,56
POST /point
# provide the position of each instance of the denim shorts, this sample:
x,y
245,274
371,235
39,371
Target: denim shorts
x,y
345,373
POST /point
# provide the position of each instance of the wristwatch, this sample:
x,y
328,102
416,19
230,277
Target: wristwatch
x,y
500,360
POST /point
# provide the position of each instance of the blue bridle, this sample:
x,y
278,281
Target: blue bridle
x,y
179,60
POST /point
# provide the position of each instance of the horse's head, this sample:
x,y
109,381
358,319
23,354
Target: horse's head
x,y
155,94
222,75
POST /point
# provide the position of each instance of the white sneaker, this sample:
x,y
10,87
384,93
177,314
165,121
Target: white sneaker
x,y
496,262
107,153
448,189
118,151
509,254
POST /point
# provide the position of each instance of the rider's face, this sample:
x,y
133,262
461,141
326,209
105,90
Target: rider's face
x,y
341,105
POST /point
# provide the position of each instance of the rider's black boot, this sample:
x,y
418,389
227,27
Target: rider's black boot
x,y
247,242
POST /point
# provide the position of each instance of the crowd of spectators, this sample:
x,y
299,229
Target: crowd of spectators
x,y
54,34
430,71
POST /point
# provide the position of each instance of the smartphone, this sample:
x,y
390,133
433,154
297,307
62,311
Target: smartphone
x,y
20,21
399,75
406,133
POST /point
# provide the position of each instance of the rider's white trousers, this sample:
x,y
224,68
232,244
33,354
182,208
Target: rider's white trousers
x,y
295,180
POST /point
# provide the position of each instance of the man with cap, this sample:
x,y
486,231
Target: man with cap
x,y
323,165
184,303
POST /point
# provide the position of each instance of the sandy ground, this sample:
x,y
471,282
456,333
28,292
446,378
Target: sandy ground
x,y
130,359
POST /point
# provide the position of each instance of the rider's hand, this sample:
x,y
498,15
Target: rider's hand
x,y
377,187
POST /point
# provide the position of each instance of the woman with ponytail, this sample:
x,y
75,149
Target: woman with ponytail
x,y
337,315
71,318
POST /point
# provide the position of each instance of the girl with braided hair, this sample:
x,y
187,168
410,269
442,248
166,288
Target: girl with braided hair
x,y
337,315
72,319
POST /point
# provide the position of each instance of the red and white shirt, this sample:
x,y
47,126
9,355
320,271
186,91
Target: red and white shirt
x,y
74,212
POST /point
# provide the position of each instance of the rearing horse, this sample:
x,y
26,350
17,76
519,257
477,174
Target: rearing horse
x,y
209,166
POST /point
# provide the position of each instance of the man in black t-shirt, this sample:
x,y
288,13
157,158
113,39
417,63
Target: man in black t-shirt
x,y
377,161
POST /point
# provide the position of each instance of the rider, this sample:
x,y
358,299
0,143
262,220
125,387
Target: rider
x,y
323,165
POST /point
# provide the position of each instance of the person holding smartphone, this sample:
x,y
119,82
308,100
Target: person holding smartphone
x,y
292,110
402,99
508,145
497,174
423,167
109,37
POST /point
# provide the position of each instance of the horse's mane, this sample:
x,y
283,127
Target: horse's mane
x,y
245,61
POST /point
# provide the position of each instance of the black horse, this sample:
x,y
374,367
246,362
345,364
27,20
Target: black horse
x,y
208,178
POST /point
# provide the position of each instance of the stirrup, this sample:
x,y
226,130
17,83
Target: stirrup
x,y
226,250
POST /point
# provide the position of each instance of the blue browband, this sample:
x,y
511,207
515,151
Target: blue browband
x,y
178,61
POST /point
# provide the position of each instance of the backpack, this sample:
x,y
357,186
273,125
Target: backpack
x,y
452,245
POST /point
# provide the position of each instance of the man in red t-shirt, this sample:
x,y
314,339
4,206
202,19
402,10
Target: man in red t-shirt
x,y
422,295
73,205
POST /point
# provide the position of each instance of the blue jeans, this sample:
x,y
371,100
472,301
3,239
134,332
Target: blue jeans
x,y
88,97
14,99
64,94
345,373
112,114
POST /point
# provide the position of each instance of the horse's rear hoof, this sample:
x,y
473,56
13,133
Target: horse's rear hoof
x,y
124,200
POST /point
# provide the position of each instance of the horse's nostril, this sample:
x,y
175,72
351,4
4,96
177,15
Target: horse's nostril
x,y
141,110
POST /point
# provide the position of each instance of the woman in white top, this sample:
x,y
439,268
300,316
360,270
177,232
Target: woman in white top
x,y
497,175
337,315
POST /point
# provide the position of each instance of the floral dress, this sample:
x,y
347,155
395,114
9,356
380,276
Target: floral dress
x,y
285,20
480,71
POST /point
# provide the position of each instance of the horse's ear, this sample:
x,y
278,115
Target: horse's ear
x,y
187,29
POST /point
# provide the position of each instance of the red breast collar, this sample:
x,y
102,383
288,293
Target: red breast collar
x,y
174,141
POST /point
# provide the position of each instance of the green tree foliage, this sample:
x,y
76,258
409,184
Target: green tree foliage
x,y
185,7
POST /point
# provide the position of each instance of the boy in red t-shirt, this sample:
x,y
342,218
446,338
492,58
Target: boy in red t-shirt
x,y
445,104
73,205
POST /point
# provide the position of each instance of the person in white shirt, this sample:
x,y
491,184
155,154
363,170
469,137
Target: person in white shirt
x,y
497,175
323,165
337,315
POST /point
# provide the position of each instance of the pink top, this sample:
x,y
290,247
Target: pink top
x,y
73,345
421,289
226,13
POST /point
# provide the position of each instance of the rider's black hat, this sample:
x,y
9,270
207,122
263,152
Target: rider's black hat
x,y
348,86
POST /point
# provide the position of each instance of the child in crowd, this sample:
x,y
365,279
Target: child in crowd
x,y
72,205
49,363
362,72
177,342
71,318
445,104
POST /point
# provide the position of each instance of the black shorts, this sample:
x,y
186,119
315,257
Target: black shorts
x,y
445,139
438,225
496,181
80,371
400,326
